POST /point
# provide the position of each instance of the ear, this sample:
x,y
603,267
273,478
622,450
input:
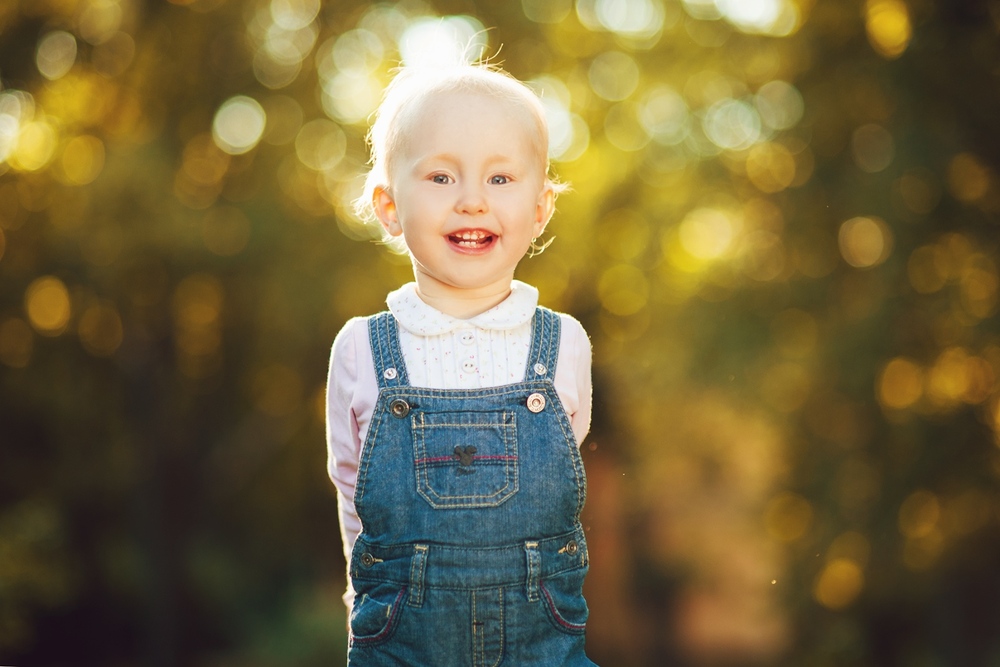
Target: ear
x,y
544,208
385,211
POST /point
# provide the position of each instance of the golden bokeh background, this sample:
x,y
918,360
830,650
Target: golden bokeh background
x,y
781,234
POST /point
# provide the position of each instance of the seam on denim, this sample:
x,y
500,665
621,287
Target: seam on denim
x,y
544,348
396,351
533,348
481,424
366,457
376,324
375,338
477,638
514,389
503,641
451,459
418,565
552,541
576,459
533,561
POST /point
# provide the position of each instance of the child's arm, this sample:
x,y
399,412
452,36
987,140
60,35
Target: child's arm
x,y
342,434
572,379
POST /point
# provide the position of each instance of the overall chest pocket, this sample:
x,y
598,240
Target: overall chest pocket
x,y
465,459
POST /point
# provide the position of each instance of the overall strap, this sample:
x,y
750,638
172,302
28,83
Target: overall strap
x,y
383,332
544,351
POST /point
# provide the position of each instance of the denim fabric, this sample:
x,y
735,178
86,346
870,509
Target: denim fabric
x,y
471,551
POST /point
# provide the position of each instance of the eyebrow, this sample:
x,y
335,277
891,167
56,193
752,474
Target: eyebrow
x,y
448,157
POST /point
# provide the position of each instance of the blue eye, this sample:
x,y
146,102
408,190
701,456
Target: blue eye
x,y
440,179
499,180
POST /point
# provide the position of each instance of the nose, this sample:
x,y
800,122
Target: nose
x,y
472,200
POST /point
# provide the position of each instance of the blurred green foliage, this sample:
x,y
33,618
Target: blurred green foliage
x,y
781,235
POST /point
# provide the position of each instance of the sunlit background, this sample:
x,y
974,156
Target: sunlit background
x,y
781,234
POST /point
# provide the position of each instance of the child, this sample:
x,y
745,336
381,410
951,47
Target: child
x,y
454,419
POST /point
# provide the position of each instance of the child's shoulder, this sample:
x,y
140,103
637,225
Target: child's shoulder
x,y
351,335
357,325
568,323
354,334
351,348
352,326
572,334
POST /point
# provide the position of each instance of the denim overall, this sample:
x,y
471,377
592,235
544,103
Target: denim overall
x,y
471,551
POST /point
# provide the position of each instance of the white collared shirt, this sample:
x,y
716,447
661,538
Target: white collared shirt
x,y
445,352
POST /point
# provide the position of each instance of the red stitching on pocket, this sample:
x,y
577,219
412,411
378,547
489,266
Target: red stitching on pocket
x,y
555,612
388,626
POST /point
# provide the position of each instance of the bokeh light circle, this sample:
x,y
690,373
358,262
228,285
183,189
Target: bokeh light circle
x,y
239,125
56,54
614,75
865,241
732,124
664,115
48,305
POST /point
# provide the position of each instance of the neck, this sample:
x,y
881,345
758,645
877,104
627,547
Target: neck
x,y
461,303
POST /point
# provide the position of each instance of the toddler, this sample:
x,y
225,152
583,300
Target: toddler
x,y
454,419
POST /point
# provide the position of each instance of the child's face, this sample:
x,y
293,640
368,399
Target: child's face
x,y
468,193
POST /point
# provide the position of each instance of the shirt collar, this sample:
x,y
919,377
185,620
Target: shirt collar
x,y
423,320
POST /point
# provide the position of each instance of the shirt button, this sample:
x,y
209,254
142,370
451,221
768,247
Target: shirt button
x,y
467,338
469,366
536,403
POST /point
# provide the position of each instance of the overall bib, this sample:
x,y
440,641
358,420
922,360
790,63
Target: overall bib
x,y
471,551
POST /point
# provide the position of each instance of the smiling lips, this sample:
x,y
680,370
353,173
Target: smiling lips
x,y
472,239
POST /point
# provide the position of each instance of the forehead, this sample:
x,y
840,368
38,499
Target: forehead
x,y
432,115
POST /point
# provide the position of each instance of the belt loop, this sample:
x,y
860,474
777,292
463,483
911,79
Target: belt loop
x,y
534,560
417,566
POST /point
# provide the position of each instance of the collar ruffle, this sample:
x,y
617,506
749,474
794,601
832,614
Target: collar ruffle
x,y
423,320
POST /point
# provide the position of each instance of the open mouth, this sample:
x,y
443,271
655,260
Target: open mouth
x,y
472,240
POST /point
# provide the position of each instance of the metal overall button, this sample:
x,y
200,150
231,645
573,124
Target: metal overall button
x,y
536,402
390,374
571,548
540,369
367,559
399,408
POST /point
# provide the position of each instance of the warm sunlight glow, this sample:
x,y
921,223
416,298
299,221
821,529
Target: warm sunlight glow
x,y
432,42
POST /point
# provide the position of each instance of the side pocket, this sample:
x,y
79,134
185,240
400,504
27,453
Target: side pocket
x,y
372,621
562,596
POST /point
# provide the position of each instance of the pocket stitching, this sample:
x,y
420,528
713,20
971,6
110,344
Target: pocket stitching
x,y
505,422
390,624
575,628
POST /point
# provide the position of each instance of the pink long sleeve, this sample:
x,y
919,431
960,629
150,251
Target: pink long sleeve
x,y
572,381
351,396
